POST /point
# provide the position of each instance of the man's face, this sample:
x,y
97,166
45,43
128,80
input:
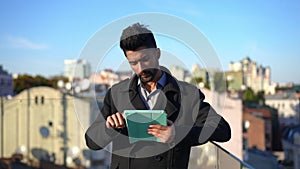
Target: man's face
x,y
144,63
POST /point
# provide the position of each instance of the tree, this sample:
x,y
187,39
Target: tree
x,y
26,81
249,96
196,80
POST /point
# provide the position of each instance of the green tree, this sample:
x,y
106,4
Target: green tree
x,y
249,96
260,97
26,81
196,80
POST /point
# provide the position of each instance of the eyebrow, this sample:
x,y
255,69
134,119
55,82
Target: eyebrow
x,y
141,58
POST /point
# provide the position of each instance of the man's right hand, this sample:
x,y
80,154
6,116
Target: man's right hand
x,y
116,120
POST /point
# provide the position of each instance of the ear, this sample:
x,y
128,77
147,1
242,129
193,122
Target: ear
x,y
158,53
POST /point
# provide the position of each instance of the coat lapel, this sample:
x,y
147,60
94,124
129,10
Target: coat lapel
x,y
172,94
134,95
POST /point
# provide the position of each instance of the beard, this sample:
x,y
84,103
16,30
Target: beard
x,y
147,75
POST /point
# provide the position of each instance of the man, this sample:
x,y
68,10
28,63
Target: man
x,y
191,121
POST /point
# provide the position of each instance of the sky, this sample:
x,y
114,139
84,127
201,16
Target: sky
x,y
37,36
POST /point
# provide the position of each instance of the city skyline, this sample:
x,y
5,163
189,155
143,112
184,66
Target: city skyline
x,y
36,36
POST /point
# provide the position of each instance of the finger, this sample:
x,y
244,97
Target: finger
x,y
161,136
109,122
120,119
123,115
157,126
115,119
154,131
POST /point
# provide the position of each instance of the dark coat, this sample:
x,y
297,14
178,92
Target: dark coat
x,y
195,123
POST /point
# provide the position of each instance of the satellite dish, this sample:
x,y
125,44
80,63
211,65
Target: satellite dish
x,y
44,131
40,154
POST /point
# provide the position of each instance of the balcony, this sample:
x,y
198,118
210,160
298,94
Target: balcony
x,y
46,120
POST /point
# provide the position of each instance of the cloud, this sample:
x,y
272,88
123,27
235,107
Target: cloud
x,y
24,43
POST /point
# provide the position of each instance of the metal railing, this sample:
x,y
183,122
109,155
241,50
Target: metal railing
x,y
213,156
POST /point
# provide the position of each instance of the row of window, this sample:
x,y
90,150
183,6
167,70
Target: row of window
x,y
6,82
39,100
282,105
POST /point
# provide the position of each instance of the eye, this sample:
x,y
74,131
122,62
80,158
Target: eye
x,y
145,58
133,63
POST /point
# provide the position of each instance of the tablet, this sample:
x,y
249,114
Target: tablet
x,y
138,121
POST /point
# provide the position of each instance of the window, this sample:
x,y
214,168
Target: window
x,y
42,100
50,123
36,99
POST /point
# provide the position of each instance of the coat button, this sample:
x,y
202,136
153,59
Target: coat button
x,y
158,158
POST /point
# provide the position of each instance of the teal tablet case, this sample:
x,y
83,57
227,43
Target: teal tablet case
x,y
138,121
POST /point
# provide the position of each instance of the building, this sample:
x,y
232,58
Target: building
x,y
234,81
287,103
178,72
6,83
231,110
265,120
108,77
76,69
256,77
46,124
291,146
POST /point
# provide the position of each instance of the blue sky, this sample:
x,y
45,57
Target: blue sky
x,y
36,36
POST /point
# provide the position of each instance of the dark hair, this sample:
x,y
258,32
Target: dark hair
x,y
136,36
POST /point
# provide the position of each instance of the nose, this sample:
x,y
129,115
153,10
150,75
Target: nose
x,y
141,67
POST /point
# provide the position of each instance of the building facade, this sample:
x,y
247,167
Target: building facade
x,y
76,69
265,120
42,124
256,77
6,83
287,104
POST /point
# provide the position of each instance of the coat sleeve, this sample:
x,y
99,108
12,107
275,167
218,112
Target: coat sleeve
x,y
97,135
208,126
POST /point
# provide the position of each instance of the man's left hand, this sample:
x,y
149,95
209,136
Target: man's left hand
x,y
165,134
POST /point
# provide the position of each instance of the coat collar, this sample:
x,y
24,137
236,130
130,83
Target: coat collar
x,y
171,89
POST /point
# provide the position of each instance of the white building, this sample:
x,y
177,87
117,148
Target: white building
x,y
287,104
254,76
42,121
76,69
179,72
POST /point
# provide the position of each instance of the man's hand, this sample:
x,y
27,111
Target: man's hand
x,y
165,134
116,120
